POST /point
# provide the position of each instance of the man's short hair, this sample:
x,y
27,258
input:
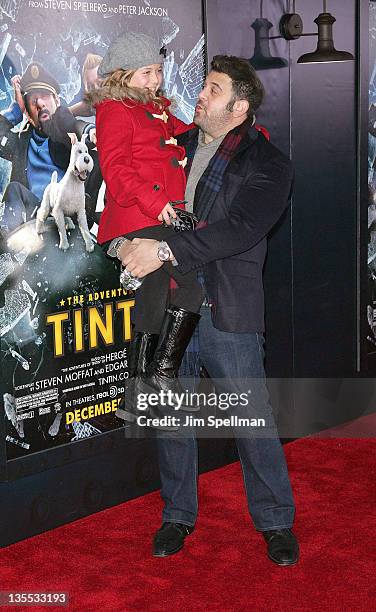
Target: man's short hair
x,y
245,83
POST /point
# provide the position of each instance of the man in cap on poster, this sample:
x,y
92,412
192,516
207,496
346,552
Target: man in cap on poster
x,y
41,147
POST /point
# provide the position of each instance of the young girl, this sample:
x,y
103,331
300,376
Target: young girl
x,y
143,168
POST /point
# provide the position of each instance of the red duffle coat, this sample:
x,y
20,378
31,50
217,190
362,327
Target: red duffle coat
x,y
140,167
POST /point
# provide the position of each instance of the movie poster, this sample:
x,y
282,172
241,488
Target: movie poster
x,y
65,321
371,306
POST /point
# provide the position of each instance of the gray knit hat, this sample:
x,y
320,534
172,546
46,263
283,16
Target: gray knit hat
x,y
130,51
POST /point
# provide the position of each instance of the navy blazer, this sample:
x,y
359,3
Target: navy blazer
x,y
231,249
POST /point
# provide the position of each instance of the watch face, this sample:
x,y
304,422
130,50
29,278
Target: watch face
x,y
163,254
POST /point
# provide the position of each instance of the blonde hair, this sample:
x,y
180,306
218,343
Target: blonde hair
x,y
91,61
116,87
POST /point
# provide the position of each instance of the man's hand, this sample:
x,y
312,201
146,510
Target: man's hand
x,y
140,256
17,91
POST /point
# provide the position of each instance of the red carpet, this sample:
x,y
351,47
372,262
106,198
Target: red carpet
x,y
104,561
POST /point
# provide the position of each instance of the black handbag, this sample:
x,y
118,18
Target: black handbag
x,y
184,220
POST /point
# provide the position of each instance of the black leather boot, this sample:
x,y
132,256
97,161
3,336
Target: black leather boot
x,y
141,353
162,374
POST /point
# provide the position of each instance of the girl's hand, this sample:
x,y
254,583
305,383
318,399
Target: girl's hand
x,y
166,213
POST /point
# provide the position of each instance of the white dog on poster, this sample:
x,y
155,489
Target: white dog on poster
x,y
67,197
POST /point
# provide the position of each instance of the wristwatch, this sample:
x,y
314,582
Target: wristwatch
x,y
163,252
115,245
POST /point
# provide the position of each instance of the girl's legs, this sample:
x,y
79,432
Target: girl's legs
x,y
179,321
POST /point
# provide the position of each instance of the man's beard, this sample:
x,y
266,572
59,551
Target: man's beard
x,y
40,122
214,125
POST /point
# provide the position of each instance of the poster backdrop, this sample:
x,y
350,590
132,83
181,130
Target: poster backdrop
x,y
64,319
371,306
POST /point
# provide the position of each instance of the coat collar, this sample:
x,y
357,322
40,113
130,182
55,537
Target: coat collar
x,y
210,183
189,140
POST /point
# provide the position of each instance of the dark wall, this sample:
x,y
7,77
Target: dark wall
x,y
310,275
323,115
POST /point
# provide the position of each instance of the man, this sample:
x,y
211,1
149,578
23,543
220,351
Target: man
x,y
238,185
41,147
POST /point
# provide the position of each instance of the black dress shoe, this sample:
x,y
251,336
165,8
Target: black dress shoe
x,y
283,547
169,539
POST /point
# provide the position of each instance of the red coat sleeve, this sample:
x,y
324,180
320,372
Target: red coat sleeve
x,y
114,128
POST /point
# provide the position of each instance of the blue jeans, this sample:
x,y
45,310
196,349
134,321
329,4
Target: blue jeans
x,y
230,356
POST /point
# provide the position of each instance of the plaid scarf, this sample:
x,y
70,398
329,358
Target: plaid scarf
x,y
210,183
